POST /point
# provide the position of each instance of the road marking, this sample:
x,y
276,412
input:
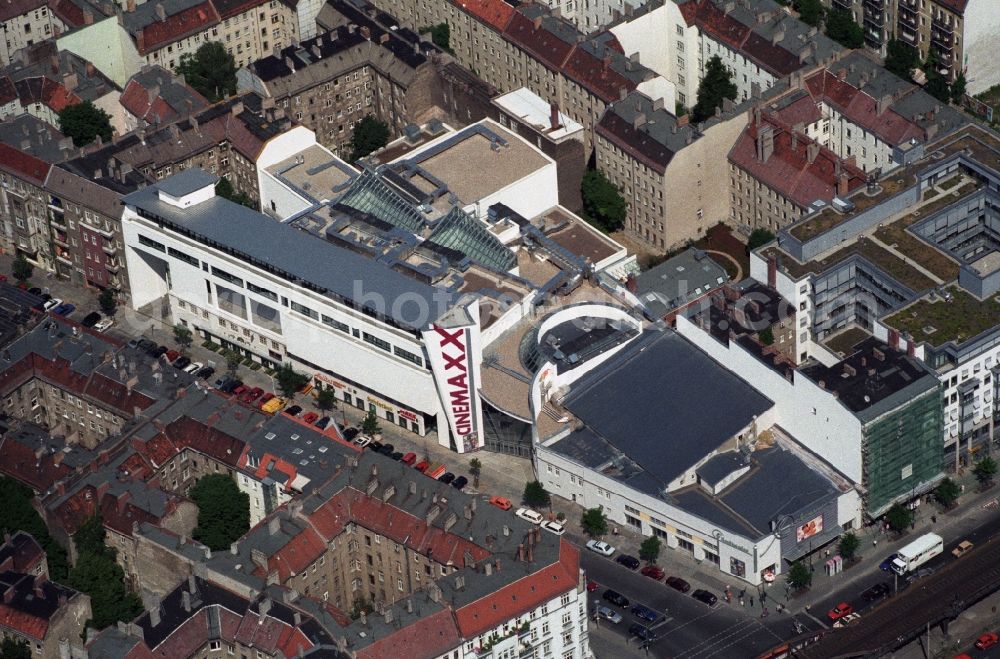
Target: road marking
x,y
724,639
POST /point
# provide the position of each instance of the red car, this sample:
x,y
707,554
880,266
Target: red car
x,y
987,640
310,417
839,611
240,390
409,458
592,586
502,503
172,356
422,466
653,572
252,395
263,399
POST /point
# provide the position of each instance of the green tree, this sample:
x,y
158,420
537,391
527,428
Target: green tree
x,y
21,268
899,517
603,204
290,380
649,550
799,575
326,398
937,86
370,426
947,492
766,336
759,238
958,89
84,122
369,135
211,71
535,495
840,27
475,468
108,302
901,58
98,575
360,605
594,522
716,86
848,546
985,470
440,35
11,648
679,109
18,514
233,361
810,11
183,336
225,190
223,511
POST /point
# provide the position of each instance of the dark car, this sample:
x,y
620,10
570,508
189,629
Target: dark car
x,y
293,410
133,343
182,362
386,449
90,319
231,386
886,565
323,422
705,596
349,433
222,382
397,455
375,447
638,630
615,598
645,613
877,592
447,477
158,351
34,290
146,345
205,373
460,482
631,562
678,584
64,309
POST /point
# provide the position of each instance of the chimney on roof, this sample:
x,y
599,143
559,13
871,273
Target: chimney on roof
x,y
314,49
186,601
384,38
88,17
605,64
161,13
795,141
365,32
237,108
883,104
765,142
290,63
273,525
777,36
812,150
553,116
520,553
842,185
537,22
130,6
639,119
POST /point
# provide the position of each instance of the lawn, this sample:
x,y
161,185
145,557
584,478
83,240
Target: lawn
x,y
962,318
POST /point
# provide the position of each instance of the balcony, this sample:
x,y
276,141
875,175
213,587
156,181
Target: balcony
x,y
112,266
60,239
64,257
109,248
104,230
56,219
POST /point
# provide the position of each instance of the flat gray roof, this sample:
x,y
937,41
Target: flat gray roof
x,y
186,182
678,280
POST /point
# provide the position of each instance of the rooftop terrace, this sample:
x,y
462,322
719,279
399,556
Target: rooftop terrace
x,y
937,321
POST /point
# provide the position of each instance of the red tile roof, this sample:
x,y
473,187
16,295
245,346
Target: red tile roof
x,y
8,92
116,514
538,41
438,636
187,432
31,626
176,27
20,164
638,144
495,13
788,170
230,8
802,111
720,26
957,6
861,109
689,10
522,595
68,12
596,75
301,552
56,96
20,462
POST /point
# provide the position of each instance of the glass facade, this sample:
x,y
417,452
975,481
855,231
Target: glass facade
x,y
504,433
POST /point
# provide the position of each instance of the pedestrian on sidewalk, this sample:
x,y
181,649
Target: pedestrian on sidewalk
x,y
874,542
934,519
751,601
743,603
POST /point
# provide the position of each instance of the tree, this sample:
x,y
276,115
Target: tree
x,y
84,122
108,301
759,238
901,58
766,336
233,361
810,11
947,492
97,574
716,86
369,135
210,70
649,550
848,546
326,398
535,495
182,335
799,575
360,605
603,204
594,522
958,89
475,468
18,514
370,426
440,35
223,511
985,470
937,86
840,27
21,268
11,648
290,380
899,517
679,109
225,190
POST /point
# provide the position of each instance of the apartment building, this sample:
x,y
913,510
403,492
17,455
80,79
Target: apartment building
x,y
48,616
334,80
156,96
960,33
24,23
25,214
592,15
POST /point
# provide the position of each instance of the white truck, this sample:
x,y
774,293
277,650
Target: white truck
x,y
917,553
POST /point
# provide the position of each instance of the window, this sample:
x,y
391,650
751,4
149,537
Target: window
x,y
254,288
377,342
143,240
304,310
222,274
408,356
336,324
187,258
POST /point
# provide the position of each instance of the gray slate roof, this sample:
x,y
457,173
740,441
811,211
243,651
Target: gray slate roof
x,y
677,280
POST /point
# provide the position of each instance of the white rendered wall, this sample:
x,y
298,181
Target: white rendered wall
x,y
982,43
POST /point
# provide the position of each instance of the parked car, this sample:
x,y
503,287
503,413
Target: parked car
x,y
653,572
372,445
134,343
609,614
241,390
645,613
642,632
705,597
146,345
398,455
409,458
182,363
158,351
323,422
503,503
205,373
193,367
839,611
554,527
447,477
250,395
171,355
386,449
631,562
877,592
350,433
362,441
849,619
64,309
310,417
529,515
266,397
90,319
600,547
51,304
961,549
460,482
232,386
616,598
987,640
293,410
274,405
677,584
34,290
104,325
592,586
886,565
422,467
